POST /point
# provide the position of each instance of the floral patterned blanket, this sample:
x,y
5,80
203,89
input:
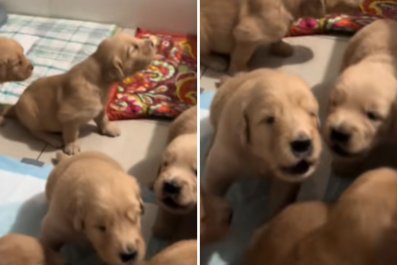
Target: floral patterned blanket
x,y
344,24
166,88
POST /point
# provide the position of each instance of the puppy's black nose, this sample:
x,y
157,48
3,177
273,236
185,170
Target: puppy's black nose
x,y
339,136
301,147
128,256
171,187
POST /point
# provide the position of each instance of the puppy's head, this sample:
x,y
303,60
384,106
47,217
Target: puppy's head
x,y
361,110
110,218
14,66
20,249
176,184
123,55
215,218
279,125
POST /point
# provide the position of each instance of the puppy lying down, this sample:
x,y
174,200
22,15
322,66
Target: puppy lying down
x,y
180,253
93,201
65,102
266,125
176,184
14,66
362,106
359,229
17,249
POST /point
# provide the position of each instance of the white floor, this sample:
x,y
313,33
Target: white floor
x,y
317,60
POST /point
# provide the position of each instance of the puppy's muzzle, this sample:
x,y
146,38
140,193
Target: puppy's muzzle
x,y
128,256
340,137
302,147
172,188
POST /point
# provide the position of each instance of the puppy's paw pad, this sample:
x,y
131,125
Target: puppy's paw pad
x,y
72,149
111,130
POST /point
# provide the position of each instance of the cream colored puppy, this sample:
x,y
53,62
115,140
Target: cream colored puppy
x,y
17,249
266,125
92,200
358,230
65,102
362,107
181,253
176,184
238,28
14,66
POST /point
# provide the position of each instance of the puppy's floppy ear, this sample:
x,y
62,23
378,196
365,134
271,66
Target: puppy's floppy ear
x,y
244,128
118,68
142,206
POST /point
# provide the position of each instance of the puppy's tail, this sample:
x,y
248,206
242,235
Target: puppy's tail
x,y
59,157
6,111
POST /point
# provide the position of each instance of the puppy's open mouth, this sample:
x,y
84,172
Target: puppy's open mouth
x,y
300,168
337,149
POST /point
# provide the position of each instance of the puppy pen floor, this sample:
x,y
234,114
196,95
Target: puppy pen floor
x,y
317,60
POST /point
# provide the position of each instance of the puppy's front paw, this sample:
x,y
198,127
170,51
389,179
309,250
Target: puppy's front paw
x,y
111,130
72,149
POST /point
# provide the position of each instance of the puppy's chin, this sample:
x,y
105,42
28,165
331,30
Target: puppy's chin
x,y
296,173
175,206
342,152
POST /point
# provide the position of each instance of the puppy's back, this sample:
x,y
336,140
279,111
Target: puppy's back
x,y
185,123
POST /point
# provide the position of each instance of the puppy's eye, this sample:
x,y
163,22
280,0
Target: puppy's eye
x,y
195,171
20,62
101,228
270,120
165,163
373,116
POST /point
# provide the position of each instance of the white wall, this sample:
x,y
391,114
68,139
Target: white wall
x,y
166,15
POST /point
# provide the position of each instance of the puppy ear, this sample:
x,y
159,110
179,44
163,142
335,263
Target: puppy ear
x,y
142,206
118,69
244,129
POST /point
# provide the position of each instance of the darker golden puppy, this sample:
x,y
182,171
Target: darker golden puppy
x,y
359,229
17,249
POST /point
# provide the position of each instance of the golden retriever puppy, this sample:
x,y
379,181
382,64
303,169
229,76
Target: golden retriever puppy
x,y
176,184
65,102
181,253
266,125
354,231
17,249
92,200
238,28
14,66
215,218
362,105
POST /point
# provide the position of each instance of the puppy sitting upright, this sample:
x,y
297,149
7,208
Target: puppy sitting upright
x,y
238,28
266,125
14,66
176,184
362,108
92,200
63,103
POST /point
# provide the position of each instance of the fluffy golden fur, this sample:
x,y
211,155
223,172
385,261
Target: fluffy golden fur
x,y
237,28
14,65
266,124
65,102
360,229
17,249
92,200
362,106
176,184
